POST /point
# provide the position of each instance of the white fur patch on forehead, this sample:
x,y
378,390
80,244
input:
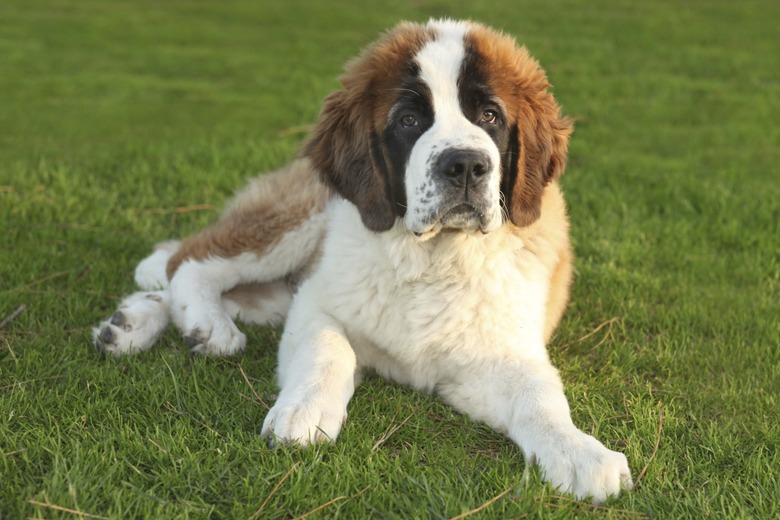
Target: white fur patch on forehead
x,y
440,59
431,194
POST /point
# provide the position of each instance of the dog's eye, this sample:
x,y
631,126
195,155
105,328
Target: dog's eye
x,y
408,120
489,117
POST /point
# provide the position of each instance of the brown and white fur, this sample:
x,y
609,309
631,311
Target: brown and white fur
x,y
422,234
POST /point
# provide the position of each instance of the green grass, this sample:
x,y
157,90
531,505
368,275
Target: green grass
x,y
115,114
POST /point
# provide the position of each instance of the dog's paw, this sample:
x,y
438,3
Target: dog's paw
x,y
585,468
140,320
304,422
218,337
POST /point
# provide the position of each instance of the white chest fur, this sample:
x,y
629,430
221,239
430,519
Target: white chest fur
x,y
405,304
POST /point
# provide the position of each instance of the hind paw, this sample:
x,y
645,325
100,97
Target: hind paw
x,y
221,338
140,320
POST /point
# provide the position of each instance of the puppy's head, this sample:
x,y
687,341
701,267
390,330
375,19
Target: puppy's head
x,y
446,126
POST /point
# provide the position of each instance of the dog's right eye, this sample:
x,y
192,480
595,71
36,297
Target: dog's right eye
x,y
408,121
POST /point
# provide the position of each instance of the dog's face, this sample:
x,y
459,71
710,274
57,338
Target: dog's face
x,y
447,126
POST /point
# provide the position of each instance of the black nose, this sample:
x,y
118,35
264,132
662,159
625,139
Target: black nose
x,y
463,167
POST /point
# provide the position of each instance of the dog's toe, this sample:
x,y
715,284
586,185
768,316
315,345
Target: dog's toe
x,y
118,319
107,336
100,348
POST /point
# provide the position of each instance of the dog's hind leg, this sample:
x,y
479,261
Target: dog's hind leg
x,y
144,315
246,266
269,235
136,325
207,293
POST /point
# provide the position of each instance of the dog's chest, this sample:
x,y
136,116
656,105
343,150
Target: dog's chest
x,y
406,306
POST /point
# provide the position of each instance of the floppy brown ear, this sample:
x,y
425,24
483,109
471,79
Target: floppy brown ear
x,y
539,142
345,149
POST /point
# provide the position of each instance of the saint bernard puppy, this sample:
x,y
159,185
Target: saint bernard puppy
x,y
422,234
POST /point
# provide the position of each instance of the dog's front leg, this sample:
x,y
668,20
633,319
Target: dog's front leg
x,y
524,399
317,370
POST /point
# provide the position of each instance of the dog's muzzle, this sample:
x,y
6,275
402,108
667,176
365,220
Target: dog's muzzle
x,y
461,175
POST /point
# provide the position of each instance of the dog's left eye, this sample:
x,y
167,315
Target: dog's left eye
x,y
489,117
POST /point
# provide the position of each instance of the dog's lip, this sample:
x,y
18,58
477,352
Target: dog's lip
x,y
463,207
444,221
465,212
427,233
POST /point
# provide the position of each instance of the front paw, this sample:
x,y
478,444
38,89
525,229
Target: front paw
x,y
303,422
584,467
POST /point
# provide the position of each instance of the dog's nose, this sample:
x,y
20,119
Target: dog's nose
x,y
463,167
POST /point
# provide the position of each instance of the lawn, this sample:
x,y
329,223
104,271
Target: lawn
x,y
126,123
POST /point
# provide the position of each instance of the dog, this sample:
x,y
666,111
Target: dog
x,y
421,234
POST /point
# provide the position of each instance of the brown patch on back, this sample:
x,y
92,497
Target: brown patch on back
x,y
344,146
259,216
542,132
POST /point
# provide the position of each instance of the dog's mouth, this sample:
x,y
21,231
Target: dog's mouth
x,y
462,216
464,208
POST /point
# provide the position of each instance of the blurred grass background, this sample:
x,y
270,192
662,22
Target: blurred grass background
x,y
125,123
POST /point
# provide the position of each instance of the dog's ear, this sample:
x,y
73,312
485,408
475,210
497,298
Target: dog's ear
x,y
344,147
538,148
